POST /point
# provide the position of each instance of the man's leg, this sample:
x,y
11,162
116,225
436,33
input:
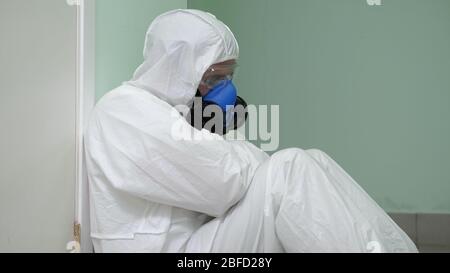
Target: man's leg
x,y
302,201
248,227
324,210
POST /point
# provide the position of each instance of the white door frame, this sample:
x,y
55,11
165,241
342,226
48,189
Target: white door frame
x,y
84,105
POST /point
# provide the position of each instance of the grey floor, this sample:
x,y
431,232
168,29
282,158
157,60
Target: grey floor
x,y
430,232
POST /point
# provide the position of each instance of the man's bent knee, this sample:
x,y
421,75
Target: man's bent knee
x,y
293,157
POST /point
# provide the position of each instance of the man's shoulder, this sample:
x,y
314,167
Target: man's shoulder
x,y
121,92
128,95
131,101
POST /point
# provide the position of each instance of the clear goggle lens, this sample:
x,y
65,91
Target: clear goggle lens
x,y
214,76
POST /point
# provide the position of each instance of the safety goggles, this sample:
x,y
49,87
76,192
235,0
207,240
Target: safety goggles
x,y
218,73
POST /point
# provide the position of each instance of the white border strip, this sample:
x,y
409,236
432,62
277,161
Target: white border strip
x,y
84,105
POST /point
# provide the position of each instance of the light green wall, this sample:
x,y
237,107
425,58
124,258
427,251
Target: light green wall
x,y
120,32
368,85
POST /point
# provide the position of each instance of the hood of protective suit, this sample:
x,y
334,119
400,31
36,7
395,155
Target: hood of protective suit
x,y
180,46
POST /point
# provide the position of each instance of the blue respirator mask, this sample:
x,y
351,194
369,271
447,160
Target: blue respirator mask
x,y
219,106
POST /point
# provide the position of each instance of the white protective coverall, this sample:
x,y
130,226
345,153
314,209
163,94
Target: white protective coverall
x,y
151,192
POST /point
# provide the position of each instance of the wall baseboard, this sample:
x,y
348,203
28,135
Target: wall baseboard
x,y
430,232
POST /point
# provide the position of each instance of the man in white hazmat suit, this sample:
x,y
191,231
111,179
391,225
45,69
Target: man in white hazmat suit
x,y
151,191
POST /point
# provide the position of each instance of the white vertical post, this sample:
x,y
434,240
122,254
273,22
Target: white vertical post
x,y
85,103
